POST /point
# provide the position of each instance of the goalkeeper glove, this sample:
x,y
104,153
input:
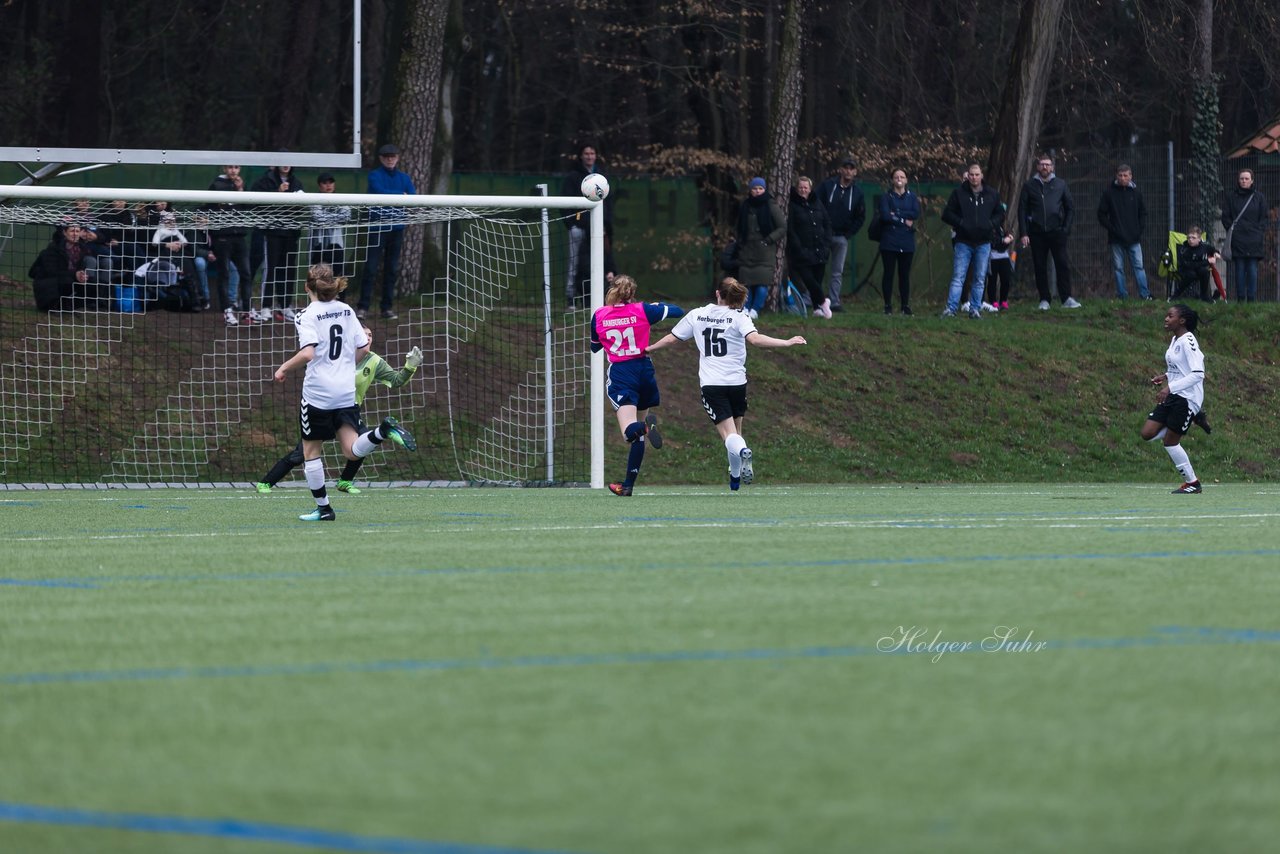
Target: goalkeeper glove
x,y
414,359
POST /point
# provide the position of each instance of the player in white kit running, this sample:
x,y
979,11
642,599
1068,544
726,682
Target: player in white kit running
x,y
329,334
722,331
1181,394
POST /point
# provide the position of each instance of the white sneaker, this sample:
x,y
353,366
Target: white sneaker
x,y
261,316
826,308
229,316
753,314
289,315
1071,303
964,308
1044,305
986,306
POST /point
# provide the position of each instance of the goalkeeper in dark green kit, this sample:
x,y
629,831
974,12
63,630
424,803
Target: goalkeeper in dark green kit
x,y
370,368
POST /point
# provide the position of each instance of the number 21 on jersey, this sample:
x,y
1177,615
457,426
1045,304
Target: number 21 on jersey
x,y
622,342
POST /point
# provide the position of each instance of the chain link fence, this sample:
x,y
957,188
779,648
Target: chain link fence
x,y
1173,202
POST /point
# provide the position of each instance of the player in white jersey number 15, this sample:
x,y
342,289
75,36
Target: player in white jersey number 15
x,y
721,332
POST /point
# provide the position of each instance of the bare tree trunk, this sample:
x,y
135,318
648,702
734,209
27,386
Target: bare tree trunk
x,y
1022,105
1202,44
417,112
784,117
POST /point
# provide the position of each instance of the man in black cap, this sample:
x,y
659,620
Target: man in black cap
x,y
328,237
846,209
386,240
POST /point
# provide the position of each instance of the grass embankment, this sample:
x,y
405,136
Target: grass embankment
x,y
1024,396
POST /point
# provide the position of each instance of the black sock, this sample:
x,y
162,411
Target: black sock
x,y
634,458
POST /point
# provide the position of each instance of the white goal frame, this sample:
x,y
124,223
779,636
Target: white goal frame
x,y
478,203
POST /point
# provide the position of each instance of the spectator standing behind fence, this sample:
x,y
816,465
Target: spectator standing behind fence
x,y
975,213
385,240
328,236
281,243
228,244
847,210
1122,212
1047,213
808,243
761,224
576,291
1244,215
899,211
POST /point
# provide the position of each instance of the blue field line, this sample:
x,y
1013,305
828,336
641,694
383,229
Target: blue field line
x,y
49,582
100,581
243,831
1164,636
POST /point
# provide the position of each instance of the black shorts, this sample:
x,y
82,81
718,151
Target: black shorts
x,y
1173,412
321,424
724,401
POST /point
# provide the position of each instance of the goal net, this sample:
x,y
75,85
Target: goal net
x,y
138,340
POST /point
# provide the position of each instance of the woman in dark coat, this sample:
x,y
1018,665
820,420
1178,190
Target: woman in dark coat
x,y
761,224
65,269
899,210
809,243
1246,208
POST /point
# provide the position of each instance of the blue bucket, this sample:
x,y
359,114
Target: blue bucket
x,y
127,300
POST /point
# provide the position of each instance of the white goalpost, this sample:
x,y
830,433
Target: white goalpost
x,y
142,366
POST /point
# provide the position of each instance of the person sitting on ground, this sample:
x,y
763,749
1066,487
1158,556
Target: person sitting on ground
x,y
1195,257
66,274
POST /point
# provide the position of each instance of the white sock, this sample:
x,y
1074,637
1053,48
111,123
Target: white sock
x,y
1181,462
734,444
315,478
363,446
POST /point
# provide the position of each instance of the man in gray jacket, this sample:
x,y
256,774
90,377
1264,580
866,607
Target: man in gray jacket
x,y
846,211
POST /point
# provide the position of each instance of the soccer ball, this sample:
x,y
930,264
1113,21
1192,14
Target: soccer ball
x,y
595,187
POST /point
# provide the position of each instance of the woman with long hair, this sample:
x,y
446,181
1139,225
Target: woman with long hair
x,y
621,328
899,211
329,336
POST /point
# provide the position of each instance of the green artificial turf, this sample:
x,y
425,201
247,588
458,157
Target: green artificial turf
x,y
682,671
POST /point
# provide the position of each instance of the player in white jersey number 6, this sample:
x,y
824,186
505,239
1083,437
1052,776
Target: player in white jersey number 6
x,y
328,337
721,332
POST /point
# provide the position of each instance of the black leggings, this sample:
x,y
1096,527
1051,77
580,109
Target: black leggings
x,y
902,262
810,275
1042,246
999,279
